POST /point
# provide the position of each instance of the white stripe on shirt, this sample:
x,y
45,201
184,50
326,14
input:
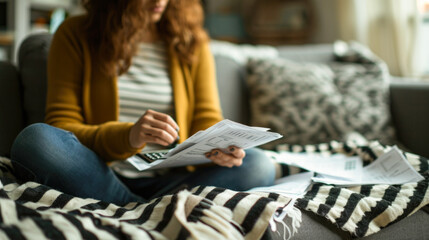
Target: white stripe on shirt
x,y
147,84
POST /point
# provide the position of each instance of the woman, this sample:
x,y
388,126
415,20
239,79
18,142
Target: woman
x,y
126,57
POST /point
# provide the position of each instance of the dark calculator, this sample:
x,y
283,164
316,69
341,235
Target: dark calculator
x,y
153,156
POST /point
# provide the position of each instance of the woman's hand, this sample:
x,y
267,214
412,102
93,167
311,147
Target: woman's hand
x,y
233,156
153,127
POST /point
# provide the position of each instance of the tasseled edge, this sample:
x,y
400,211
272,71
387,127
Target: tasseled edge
x,y
291,212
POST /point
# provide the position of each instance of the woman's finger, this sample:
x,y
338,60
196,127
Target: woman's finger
x,y
236,152
164,118
158,125
162,132
153,139
223,159
161,121
163,135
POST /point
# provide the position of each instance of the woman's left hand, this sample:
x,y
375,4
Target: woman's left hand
x,y
233,156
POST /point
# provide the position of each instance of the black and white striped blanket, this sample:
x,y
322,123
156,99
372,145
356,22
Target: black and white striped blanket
x,y
364,210
34,211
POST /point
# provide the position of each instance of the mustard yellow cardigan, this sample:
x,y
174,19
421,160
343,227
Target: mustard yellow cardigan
x,y
84,100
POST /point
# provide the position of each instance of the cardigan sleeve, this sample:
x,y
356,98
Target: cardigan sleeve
x,y
67,70
207,109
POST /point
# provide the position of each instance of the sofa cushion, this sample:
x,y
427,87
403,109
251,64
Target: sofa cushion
x,y
409,106
10,107
230,62
32,60
320,53
314,102
233,96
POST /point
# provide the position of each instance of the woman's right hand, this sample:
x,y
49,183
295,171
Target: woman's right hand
x,y
153,127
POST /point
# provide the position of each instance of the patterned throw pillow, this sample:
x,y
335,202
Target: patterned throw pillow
x,y
314,103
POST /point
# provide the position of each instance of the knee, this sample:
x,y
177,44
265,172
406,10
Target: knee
x,y
47,152
32,132
27,145
36,144
29,138
261,171
34,137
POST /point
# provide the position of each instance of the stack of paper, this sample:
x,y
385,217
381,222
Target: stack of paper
x,y
389,168
338,169
219,136
338,165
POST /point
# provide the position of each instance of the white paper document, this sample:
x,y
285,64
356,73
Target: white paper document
x,y
293,186
219,136
337,164
339,169
389,168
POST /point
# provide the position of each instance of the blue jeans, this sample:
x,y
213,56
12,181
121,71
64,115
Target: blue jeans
x,y
56,158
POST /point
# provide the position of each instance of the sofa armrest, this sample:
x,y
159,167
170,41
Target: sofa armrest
x,y
319,53
410,113
32,60
10,107
233,93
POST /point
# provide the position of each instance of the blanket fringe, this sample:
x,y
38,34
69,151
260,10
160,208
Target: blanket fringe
x,y
291,212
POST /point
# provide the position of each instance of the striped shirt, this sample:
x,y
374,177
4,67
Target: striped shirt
x,y
146,85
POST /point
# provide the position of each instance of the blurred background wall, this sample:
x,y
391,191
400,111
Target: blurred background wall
x,y
396,30
299,21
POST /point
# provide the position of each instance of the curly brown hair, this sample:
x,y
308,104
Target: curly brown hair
x,y
114,28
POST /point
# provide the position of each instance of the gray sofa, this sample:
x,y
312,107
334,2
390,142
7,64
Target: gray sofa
x,y
22,101
409,105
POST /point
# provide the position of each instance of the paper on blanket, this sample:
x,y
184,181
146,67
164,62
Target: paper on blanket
x,y
221,135
292,186
389,168
337,164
